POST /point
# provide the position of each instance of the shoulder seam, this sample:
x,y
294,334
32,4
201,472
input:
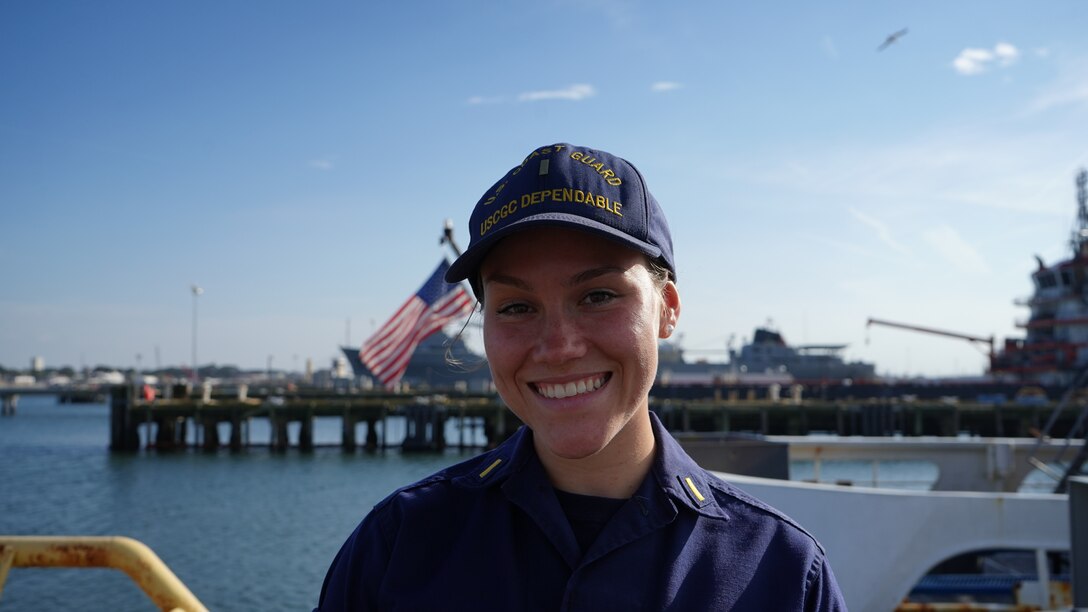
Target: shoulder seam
x,y
814,571
424,482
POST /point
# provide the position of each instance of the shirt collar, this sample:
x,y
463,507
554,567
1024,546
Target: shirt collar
x,y
494,467
673,471
680,477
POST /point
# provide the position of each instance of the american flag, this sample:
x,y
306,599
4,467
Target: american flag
x,y
436,303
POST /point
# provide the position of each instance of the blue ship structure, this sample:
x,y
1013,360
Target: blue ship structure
x,y
431,368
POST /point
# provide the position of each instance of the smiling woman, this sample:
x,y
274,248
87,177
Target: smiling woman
x,y
592,505
570,330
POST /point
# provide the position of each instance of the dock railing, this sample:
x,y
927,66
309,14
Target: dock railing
x,y
130,556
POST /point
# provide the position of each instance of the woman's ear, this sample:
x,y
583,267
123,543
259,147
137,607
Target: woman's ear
x,y
670,310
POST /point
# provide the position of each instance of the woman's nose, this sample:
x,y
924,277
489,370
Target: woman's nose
x,y
560,339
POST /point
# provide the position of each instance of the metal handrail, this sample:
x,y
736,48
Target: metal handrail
x,y
130,556
1079,460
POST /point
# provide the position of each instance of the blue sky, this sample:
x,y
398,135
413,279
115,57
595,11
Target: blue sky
x,y
297,161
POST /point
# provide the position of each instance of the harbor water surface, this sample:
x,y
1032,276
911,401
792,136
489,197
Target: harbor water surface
x,y
254,530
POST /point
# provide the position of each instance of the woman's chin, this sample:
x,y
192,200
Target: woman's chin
x,y
573,445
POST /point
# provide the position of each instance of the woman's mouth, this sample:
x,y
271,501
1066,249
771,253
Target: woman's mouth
x,y
572,388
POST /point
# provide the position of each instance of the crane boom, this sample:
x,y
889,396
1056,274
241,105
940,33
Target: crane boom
x,y
989,341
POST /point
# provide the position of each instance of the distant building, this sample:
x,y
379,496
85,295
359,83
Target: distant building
x,y
340,367
37,364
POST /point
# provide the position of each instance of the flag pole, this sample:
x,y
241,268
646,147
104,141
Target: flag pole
x,y
447,238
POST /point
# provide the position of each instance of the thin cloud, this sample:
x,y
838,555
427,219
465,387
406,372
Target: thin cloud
x,y
1006,54
663,86
574,93
943,167
881,230
972,61
948,243
1070,89
481,100
1074,94
323,163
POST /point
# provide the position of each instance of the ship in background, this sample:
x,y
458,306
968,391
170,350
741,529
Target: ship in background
x,y
768,359
430,368
1050,359
820,363
1054,351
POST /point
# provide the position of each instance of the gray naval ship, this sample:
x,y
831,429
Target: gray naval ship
x,y
767,359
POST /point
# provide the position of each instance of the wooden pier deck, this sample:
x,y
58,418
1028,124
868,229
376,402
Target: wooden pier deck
x,y
166,422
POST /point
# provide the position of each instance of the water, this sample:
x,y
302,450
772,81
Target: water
x,y
899,474
247,531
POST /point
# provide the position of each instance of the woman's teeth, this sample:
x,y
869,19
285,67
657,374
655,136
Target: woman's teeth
x,y
560,391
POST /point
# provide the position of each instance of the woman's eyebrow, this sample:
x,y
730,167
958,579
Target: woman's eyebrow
x,y
593,273
581,277
506,279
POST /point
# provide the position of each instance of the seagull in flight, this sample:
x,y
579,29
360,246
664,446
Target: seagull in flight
x,y
891,38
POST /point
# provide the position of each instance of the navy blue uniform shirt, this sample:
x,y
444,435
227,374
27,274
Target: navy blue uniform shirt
x,y
489,534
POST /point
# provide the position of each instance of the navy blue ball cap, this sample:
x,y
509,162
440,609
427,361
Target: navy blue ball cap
x,y
568,186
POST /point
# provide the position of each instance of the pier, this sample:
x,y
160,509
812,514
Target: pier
x,y
72,394
165,422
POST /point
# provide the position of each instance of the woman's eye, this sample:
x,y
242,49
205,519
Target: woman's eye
x,y
599,297
513,309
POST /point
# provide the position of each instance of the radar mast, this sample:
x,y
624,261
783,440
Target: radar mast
x,y
1079,239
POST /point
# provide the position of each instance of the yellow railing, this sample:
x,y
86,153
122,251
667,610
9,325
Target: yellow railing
x,y
130,556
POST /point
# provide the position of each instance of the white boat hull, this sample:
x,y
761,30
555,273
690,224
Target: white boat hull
x,y
881,542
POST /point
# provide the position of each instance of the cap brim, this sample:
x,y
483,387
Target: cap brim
x,y
469,261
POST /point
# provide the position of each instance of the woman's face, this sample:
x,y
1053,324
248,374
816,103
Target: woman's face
x,y
571,323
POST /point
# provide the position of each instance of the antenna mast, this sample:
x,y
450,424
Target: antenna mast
x,y
1079,239
447,238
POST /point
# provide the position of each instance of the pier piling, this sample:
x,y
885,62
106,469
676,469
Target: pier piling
x,y
372,434
124,436
306,433
9,404
280,440
171,433
347,435
211,435
425,428
236,424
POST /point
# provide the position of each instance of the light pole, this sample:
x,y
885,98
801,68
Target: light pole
x,y
197,291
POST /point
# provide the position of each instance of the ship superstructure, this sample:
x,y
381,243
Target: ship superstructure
x,y
769,352
429,367
1054,349
767,359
